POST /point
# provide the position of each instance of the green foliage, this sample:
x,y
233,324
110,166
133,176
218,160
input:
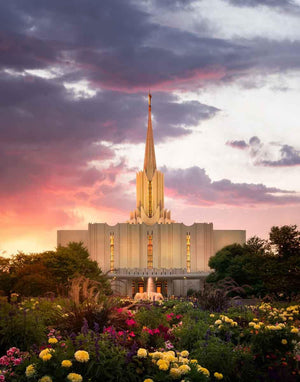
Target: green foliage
x,y
256,265
75,315
20,327
150,316
37,274
286,239
217,355
192,331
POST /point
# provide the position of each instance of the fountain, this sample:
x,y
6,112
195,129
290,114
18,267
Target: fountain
x,y
149,294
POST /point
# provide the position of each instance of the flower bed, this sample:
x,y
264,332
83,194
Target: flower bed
x,y
169,341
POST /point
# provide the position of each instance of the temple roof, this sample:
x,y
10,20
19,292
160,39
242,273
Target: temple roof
x,y
149,161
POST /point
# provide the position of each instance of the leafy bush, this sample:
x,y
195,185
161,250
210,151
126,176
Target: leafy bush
x,y
20,327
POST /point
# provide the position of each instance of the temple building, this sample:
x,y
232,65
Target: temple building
x,y
150,243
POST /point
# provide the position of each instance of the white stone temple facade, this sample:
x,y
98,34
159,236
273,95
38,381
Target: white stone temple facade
x,y
150,243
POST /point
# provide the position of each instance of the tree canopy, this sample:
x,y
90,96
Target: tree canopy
x,y
268,266
50,271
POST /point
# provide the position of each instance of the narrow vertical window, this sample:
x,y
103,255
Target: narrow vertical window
x,y
188,252
150,198
112,250
150,251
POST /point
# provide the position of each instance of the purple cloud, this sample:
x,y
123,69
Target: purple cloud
x,y
259,152
237,144
196,187
289,157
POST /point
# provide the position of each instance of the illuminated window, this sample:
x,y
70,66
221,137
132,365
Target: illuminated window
x,y
150,251
112,249
159,287
150,198
188,252
141,286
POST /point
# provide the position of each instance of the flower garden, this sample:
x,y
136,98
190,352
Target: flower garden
x,y
121,340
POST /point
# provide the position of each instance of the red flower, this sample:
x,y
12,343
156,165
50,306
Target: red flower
x,y
130,322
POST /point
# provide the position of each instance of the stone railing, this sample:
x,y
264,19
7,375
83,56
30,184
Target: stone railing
x,y
173,273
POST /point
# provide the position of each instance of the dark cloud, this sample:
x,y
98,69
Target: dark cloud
x,y
48,136
289,157
196,187
117,45
254,141
39,110
237,144
260,153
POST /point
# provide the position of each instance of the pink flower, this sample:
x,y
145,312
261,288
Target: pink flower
x,y
130,322
179,316
156,331
169,345
2,378
4,361
150,331
17,361
170,316
120,333
120,310
12,351
131,334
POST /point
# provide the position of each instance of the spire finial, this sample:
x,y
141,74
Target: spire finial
x,y
149,161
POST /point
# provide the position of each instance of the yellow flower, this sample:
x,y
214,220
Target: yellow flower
x,y
82,356
294,330
203,370
66,363
30,371
184,369
193,361
162,361
218,375
73,377
284,341
52,340
157,354
164,365
183,360
148,380
46,357
46,378
212,315
171,353
218,322
175,372
43,353
142,353
184,353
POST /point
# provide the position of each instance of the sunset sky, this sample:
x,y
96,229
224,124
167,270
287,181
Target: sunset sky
x,y
74,79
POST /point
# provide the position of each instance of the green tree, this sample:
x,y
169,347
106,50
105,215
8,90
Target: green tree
x,y
50,271
239,263
255,264
286,240
73,260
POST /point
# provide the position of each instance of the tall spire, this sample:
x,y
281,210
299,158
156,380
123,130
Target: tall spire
x,y
149,161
